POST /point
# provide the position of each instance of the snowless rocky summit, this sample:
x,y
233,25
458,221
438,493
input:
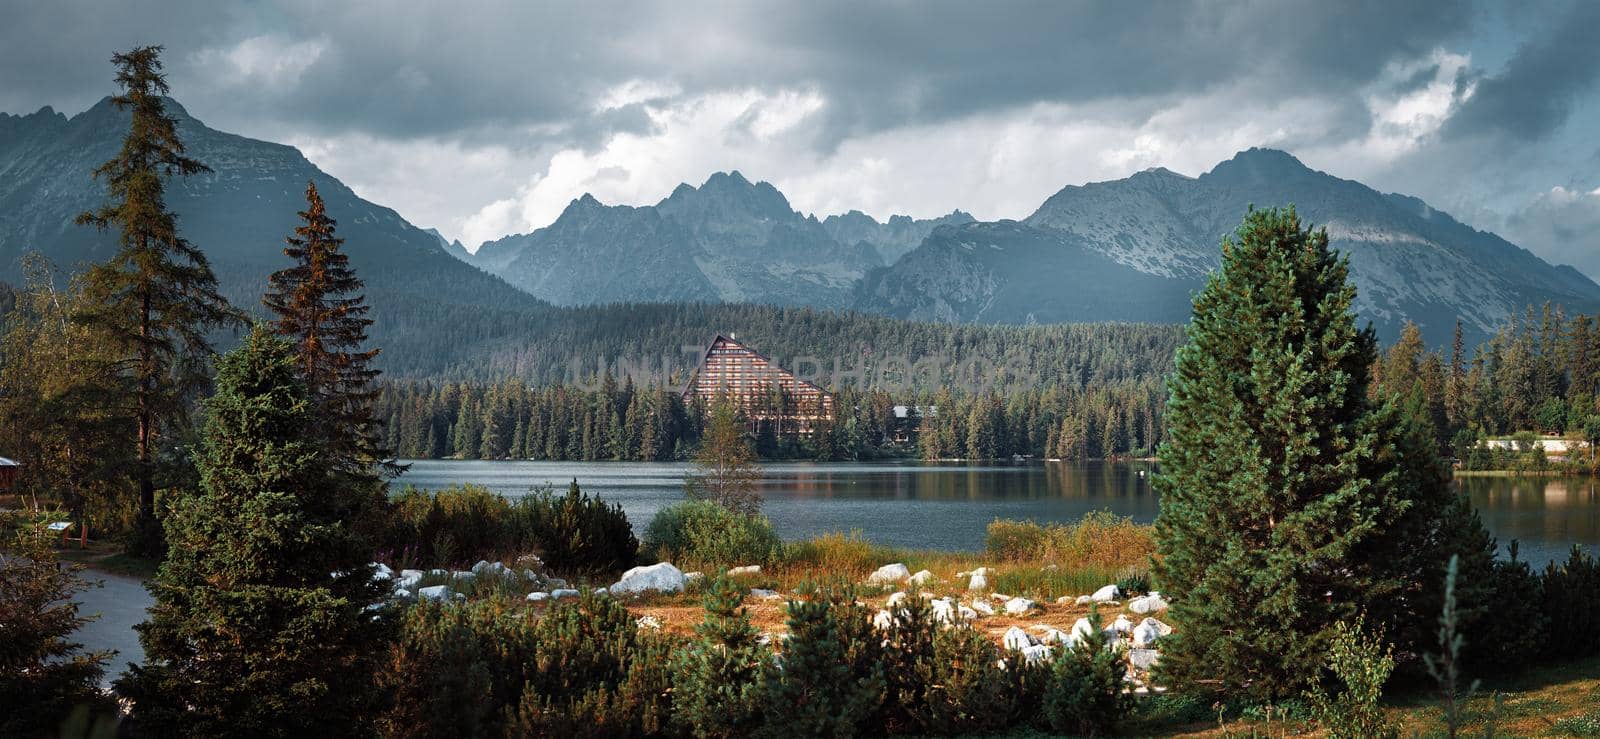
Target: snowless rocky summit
x,y
661,577
889,574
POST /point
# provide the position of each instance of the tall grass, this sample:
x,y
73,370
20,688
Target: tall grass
x,y
1101,540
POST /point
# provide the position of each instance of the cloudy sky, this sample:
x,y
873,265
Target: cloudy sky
x,y
487,118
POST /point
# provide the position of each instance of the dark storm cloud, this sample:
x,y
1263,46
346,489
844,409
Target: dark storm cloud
x,y
1541,85
402,70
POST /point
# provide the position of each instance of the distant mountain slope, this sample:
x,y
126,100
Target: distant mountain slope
x,y
892,239
1409,261
728,240
425,300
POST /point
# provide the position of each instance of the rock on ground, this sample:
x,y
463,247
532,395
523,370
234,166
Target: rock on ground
x,y
435,592
1016,638
890,573
1106,594
745,570
983,607
1152,603
923,577
660,577
1018,606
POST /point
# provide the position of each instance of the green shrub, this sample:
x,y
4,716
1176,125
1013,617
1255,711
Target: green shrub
x,y
1571,593
459,525
1362,663
592,674
454,669
967,689
577,533
701,533
1510,634
492,667
455,526
716,679
816,690
1084,695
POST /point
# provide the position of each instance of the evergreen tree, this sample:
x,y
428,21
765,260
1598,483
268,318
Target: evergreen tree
x,y
726,470
318,307
1288,499
43,673
155,301
717,679
813,692
261,624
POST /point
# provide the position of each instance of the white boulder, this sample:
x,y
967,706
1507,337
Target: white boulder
x,y
1016,638
435,592
1019,605
693,577
979,581
1143,659
559,593
745,570
983,607
538,596
896,599
763,593
1035,654
408,580
1053,635
1152,603
661,577
1121,625
1106,594
649,622
944,611
923,577
883,621
381,571
1082,600
890,573
1149,631
967,614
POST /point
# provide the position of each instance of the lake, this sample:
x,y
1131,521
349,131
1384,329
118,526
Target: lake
x,y
947,505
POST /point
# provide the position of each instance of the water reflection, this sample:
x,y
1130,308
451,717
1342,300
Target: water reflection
x,y
1547,515
947,506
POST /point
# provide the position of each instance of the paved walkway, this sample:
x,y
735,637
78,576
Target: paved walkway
x,y
121,603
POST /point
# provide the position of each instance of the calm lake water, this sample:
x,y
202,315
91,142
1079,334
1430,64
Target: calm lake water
x,y
947,506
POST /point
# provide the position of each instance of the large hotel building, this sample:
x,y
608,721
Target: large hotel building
x,y
764,392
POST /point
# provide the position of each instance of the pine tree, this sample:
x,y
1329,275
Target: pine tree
x,y
1288,499
43,673
318,306
716,679
155,301
261,624
813,692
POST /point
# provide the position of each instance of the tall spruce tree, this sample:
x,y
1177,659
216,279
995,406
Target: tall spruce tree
x,y
155,301
318,306
260,625
1289,499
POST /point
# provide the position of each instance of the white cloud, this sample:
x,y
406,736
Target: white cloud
x,y
270,61
996,164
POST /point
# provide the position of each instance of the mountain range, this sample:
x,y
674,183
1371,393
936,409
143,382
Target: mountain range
x,y
1133,249
423,299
